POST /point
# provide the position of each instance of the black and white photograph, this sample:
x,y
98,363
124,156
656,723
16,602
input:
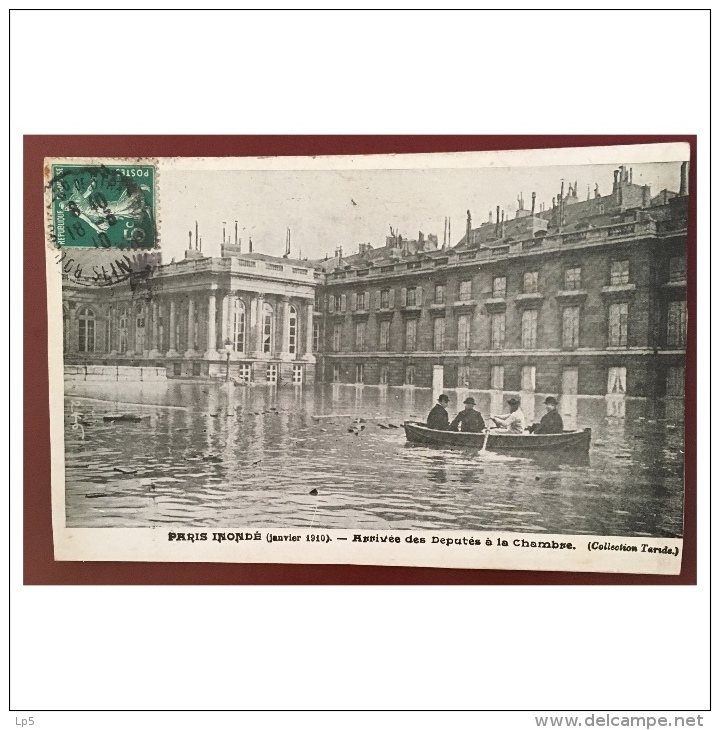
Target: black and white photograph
x,y
472,359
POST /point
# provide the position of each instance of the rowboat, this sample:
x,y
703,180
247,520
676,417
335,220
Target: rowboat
x,y
576,441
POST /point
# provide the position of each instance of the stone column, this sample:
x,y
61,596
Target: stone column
x,y
309,310
282,344
259,301
224,326
211,330
154,351
230,333
191,333
172,349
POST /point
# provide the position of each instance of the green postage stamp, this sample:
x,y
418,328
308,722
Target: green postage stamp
x,y
103,205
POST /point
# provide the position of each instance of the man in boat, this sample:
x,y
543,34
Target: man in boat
x,y
551,422
469,420
438,418
513,422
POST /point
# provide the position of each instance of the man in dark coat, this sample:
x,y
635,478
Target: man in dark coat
x,y
438,418
551,422
468,420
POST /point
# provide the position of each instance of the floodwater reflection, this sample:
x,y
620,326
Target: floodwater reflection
x,y
209,455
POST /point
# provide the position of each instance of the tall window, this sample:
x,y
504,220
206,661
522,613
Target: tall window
x,y
497,377
316,336
411,296
410,335
140,328
617,380
359,336
439,334
361,300
293,327
499,287
336,372
463,380
527,382
675,382
571,328
410,375
497,331
238,327
463,325
337,337
384,337
677,323
359,373
297,374
124,330
267,328
530,282
677,269
86,330
244,372
385,299
439,293
271,374
618,325
109,326
573,278
465,290
529,329
619,272
384,375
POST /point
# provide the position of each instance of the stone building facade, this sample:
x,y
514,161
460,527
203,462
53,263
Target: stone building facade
x,y
246,315
584,298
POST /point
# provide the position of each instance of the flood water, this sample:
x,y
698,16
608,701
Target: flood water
x,y
206,455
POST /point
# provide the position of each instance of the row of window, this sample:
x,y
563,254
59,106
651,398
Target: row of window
x,y
87,329
413,296
676,334
616,380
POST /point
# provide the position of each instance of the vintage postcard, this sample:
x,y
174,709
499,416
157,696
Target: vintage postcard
x,y
467,360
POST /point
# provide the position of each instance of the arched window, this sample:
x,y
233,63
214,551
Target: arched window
x,y
239,326
292,340
140,328
66,330
123,330
86,330
267,328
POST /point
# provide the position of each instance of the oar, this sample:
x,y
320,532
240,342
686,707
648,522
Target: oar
x,y
486,432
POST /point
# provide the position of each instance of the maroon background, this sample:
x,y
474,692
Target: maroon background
x,y
39,565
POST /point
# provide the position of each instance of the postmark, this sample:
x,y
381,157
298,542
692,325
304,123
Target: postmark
x,y
103,206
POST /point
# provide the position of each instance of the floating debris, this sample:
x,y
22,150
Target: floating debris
x,y
314,492
123,418
125,470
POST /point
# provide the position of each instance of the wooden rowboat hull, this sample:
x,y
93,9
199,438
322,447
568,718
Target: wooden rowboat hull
x,y
577,441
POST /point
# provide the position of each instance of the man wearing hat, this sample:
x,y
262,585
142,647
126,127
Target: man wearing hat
x,y
438,418
552,421
468,420
513,422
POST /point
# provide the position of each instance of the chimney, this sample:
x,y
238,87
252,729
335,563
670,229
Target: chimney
x,y
200,245
683,179
196,235
490,217
445,234
449,236
468,227
615,179
532,209
250,244
497,221
236,238
223,232
588,197
630,176
338,253
287,244
502,225
645,196
190,236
